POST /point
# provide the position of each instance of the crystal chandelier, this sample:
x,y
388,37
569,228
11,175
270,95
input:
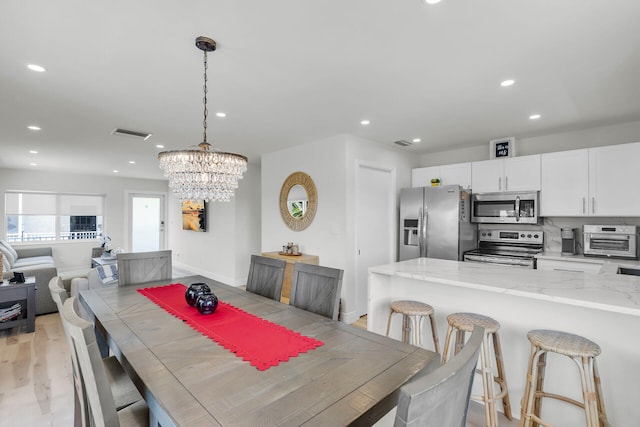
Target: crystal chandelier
x,y
205,173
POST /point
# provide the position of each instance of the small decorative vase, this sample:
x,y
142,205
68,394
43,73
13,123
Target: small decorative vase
x,y
194,291
207,303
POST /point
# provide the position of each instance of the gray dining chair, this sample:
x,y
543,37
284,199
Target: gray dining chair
x,y
123,390
266,276
441,397
142,267
317,289
101,409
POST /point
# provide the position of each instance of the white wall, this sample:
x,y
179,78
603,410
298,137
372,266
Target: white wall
x,y
224,251
77,255
331,163
593,137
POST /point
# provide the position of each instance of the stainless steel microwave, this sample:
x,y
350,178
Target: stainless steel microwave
x,y
516,207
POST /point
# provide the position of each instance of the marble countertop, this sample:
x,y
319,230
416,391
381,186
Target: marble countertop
x,y
605,290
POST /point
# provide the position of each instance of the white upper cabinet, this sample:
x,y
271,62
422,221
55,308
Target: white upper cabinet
x,y
614,174
421,177
459,173
565,183
508,174
591,182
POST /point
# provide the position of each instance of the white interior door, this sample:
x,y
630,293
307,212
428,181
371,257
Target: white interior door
x,y
375,225
146,222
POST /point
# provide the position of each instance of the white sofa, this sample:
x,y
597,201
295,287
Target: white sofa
x,y
36,262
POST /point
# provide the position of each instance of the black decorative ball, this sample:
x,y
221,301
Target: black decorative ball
x,y
207,303
194,291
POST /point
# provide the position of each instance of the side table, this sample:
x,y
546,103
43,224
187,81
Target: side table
x,y
288,271
20,292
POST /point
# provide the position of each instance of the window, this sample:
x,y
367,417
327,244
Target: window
x,y
32,217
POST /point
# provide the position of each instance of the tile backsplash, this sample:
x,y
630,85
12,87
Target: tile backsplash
x,y
552,226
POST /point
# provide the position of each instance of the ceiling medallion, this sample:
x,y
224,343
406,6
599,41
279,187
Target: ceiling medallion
x,y
206,173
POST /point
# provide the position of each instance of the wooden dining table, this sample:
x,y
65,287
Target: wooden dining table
x,y
188,379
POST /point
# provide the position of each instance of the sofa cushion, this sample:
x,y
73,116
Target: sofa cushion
x,y
7,257
10,248
41,261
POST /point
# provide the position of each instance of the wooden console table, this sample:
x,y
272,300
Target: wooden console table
x,y
288,272
25,293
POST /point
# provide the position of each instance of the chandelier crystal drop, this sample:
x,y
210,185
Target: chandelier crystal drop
x,y
206,174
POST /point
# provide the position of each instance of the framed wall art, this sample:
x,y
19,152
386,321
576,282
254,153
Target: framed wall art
x,y
503,147
194,215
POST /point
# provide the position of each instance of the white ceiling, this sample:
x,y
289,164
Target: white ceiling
x,y
288,72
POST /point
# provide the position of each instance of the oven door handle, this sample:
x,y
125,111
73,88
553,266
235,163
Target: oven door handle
x,y
517,208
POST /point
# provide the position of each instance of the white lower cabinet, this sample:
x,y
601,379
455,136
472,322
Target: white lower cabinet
x,y
573,265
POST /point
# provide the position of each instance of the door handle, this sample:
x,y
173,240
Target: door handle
x,y
506,183
500,183
420,239
583,205
425,223
518,208
593,205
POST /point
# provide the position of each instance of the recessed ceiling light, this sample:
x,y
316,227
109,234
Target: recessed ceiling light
x,y
365,122
534,116
416,140
38,68
34,127
221,114
132,162
33,152
33,164
506,83
432,1
115,171
159,146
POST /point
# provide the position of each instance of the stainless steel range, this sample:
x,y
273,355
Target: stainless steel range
x,y
507,247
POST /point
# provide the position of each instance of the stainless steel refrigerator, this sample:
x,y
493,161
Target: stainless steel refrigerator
x,y
435,223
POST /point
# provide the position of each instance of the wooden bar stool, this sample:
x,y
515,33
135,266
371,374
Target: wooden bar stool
x,y
583,352
413,312
462,323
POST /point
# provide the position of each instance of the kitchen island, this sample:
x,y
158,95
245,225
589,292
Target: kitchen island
x,y
604,307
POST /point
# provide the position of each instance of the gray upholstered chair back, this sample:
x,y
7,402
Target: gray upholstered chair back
x,y
441,397
266,276
142,267
58,292
317,289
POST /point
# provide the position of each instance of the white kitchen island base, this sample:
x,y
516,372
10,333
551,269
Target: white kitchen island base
x,y
602,307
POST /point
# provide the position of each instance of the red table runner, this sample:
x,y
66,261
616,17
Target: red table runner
x,y
261,343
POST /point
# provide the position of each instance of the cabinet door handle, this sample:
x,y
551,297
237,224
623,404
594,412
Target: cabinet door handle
x,y
583,205
593,205
506,183
500,183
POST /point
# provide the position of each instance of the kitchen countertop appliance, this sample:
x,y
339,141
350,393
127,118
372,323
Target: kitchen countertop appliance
x,y
435,223
516,248
612,241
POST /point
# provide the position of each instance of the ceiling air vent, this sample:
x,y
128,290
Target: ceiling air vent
x,y
131,134
403,143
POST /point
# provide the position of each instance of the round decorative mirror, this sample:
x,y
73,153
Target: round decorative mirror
x,y
298,201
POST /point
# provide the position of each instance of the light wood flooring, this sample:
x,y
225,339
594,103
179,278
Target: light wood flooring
x,y
36,386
